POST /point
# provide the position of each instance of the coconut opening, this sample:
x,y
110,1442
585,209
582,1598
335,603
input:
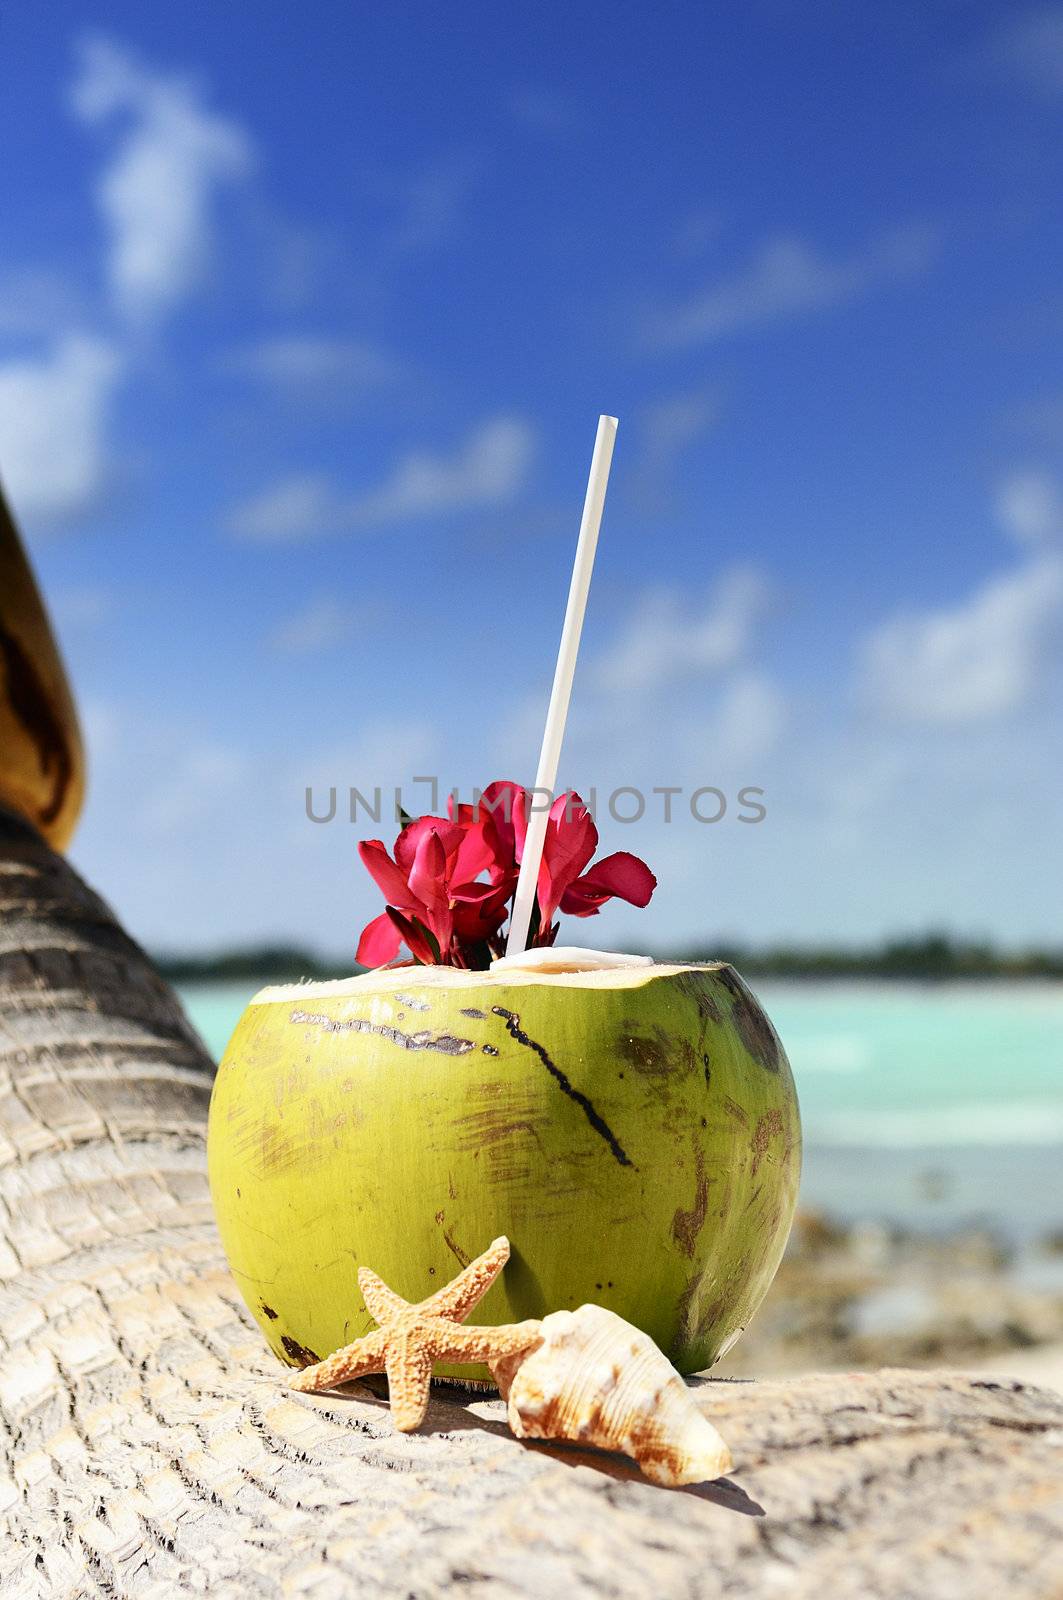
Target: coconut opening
x,y
568,958
565,966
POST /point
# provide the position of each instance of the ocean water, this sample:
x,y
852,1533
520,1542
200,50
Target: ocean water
x,y
927,1106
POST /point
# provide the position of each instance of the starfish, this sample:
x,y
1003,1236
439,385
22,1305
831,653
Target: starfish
x,y
411,1338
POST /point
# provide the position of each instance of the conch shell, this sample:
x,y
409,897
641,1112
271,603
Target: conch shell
x,y
594,1379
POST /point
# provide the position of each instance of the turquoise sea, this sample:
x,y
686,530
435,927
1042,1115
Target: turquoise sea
x,y
928,1106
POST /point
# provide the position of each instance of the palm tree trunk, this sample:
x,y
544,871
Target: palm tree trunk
x,y
150,1447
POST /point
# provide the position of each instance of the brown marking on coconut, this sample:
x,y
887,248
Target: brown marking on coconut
x,y
792,1146
300,1355
270,1147
708,1317
322,1127
658,1056
694,1319
686,1309
460,1255
500,1115
289,1083
754,1028
504,1130
768,1127
734,1111
564,1083
691,985
686,1225
645,1055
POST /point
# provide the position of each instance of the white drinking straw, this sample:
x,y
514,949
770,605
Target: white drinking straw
x,y
564,672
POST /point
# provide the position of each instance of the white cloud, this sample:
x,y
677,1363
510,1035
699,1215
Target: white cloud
x,y
671,424
318,626
667,429
788,277
668,641
196,784
969,662
213,844
1030,47
434,203
747,721
158,192
489,469
34,301
381,754
1030,507
302,506
54,417
313,365
492,466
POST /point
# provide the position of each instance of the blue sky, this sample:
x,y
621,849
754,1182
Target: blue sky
x,y
304,328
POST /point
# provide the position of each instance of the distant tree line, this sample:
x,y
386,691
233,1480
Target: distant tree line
x,y
930,956
283,962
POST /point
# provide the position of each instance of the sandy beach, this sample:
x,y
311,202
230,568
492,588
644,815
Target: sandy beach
x,y
870,1295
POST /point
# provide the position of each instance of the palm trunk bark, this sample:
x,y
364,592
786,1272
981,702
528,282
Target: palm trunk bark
x,y
150,1447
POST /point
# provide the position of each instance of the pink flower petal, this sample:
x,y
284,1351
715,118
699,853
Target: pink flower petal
x,y
389,878
413,938
480,910
428,874
411,836
520,801
474,894
497,807
441,925
623,875
475,854
571,840
380,942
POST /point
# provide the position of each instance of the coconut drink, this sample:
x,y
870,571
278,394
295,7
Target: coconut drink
x,y
629,1128
632,1127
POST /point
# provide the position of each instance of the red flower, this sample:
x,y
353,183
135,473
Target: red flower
x,y
571,840
451,881
435,903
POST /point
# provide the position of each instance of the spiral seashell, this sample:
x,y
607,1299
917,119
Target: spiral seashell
x,y
594,1379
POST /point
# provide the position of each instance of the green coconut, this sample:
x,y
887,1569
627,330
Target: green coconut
x,y
633,1130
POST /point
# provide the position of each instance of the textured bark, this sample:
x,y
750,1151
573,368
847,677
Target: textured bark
x,y
150,1447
